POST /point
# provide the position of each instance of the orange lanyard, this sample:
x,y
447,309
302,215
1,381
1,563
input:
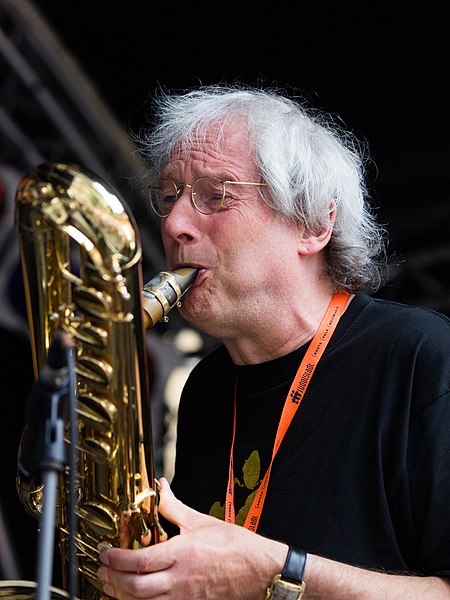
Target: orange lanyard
x,y
293,399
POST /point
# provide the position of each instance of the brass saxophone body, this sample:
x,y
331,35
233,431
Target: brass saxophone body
x,y
81,261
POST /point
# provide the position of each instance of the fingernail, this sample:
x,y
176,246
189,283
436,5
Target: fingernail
x,y
101,547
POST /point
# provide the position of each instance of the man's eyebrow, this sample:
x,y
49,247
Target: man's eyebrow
x,y
221,175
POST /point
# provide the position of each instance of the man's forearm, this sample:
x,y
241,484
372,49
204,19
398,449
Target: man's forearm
x,y
330,580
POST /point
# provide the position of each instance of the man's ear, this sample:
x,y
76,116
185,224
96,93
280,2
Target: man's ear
x,y
311,242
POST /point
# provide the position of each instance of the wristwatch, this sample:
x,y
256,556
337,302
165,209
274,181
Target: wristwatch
x,y
289,585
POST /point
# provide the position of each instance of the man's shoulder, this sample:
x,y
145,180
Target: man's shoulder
x,y
375,323
417,318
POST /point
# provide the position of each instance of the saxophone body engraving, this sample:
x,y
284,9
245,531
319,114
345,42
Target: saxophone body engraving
x,y
62,211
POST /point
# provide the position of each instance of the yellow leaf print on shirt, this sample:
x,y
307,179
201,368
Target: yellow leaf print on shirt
x,y
251,474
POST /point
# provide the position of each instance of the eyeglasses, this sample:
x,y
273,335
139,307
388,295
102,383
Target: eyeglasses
x,y
208,194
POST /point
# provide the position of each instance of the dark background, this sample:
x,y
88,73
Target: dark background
x,y
384,75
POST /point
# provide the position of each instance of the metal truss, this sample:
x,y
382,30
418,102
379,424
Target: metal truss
x,y
49,110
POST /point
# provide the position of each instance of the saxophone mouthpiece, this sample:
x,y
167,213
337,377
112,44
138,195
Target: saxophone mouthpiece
x,y
164,291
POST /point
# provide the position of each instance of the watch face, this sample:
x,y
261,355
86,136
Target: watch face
x,y
285,590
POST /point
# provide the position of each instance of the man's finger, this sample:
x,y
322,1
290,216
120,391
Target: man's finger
x,y
178,513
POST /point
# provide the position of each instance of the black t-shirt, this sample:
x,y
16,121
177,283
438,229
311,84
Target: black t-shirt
x,y
363,473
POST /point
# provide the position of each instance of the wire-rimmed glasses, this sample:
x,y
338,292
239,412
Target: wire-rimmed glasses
x,y
208,194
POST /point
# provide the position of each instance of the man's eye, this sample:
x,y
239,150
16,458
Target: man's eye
x,y
215,197
169,198
213,200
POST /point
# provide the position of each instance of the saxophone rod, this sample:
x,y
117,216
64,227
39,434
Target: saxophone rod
x,y
163,292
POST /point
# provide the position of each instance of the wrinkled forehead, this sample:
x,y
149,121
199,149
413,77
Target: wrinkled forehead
x,y
222,139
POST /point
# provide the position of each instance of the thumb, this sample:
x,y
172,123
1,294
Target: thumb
x,y
178,513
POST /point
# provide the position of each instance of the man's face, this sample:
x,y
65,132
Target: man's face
x,y
241,251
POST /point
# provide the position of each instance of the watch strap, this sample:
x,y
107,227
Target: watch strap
x,y
289,585
294,567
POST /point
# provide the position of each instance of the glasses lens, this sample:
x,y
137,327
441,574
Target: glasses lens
x,y
163,197
208,194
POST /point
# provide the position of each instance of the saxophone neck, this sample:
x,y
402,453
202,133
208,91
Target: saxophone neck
x,y
164,291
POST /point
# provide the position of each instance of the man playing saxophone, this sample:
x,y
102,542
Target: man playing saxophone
x,y
313,447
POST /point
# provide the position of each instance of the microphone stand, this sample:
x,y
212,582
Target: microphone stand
x,y
44,449
51,462
46,537
72,489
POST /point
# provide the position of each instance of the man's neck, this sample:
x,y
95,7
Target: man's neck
x,y
271,340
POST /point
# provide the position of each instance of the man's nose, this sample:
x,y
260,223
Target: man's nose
x,y
180,223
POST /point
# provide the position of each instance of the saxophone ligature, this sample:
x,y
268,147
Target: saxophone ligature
x,y
81,261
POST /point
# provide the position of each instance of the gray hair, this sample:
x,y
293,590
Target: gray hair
x,y
302,154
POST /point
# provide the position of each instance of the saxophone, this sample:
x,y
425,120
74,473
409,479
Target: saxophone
x,y
81,261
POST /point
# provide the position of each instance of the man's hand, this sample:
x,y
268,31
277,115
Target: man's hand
x,y
209,559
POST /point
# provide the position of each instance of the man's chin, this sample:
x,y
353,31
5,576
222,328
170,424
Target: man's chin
x,y
197,311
